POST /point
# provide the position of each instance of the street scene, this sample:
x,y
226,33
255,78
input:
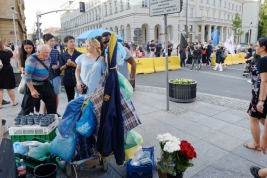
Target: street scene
x,y
127,89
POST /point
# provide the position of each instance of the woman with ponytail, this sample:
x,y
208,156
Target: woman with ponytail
x,y
90,68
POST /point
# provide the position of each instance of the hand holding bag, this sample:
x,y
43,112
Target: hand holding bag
x,y
22,84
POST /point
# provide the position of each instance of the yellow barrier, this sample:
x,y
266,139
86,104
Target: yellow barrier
x,y
229,60
173,63
82,50
213,61
239,58
143,66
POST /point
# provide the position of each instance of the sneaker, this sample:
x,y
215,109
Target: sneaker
x,y
214,69
254,171
249,81
4,102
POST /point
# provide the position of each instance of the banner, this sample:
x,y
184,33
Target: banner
x,y
215,37
229,44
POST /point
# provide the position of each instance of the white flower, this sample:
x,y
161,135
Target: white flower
x,y
171,146
164,137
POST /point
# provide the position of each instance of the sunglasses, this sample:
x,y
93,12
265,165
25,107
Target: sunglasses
x,y
106,42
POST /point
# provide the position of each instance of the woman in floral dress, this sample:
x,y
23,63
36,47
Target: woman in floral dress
x,y
255,116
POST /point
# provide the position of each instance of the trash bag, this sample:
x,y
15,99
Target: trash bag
x,y
132,141
71,116
18,148
86,125
125,87
64,148
39,150
121,54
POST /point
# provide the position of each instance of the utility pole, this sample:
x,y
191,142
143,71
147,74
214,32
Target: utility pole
x,y
14,24
186,26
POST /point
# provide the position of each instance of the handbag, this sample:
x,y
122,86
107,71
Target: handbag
x,y
1,64
84,87
222,55
22,83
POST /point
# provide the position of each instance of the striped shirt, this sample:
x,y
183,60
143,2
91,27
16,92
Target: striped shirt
x,y
35,71
54,55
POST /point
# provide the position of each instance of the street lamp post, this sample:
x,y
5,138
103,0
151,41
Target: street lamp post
x,y
186,26
249,34
14,24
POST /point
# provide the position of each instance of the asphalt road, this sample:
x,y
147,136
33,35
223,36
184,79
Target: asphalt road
x,y
229,83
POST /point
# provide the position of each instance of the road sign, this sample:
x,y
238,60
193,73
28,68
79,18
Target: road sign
x,y
160,7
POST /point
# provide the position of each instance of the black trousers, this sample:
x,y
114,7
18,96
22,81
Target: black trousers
x,y
182,62
47,94
208,59
70,91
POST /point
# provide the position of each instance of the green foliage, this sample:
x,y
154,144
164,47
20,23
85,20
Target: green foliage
x,y
183,81
236,26
183,162
262,25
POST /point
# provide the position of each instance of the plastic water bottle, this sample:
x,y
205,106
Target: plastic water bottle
x,y
22,169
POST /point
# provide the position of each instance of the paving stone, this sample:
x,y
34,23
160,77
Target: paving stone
x,y
207,111
227,117
242,114
252,155
145,109
224,141
213,123
234,166
246,124
237,131
210,172
193,116
219,108
161,114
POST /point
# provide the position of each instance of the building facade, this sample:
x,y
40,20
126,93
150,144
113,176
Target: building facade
x,y
125,17
6,20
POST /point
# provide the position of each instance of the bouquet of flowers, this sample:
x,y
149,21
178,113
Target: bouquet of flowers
x,y
176,155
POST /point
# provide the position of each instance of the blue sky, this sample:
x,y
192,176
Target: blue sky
x,y
49,20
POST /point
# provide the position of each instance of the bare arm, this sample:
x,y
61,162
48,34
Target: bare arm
x,y
77,75
19,64
34,92
132,62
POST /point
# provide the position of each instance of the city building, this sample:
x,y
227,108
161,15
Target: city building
x,y
6,20
125,17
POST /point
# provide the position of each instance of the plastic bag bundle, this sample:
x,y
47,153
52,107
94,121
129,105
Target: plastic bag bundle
x,y
18,148
132,141
39,150
70,117
121,54
125,87
64,148
86,125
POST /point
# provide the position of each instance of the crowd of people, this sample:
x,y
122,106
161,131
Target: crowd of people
x,y
42,66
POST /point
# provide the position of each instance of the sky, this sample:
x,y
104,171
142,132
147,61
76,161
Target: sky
x,y
48,20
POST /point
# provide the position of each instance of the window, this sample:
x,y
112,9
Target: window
x,y
121,5
93,15
207,2
220,3
201,0
106,10
200,12
110,8
144,3
116,8
213,14
191,28
191,12
184,11
96,15
225,4
128,4
233,6
229,6
207,13
239,8
228,17
219,15
213,2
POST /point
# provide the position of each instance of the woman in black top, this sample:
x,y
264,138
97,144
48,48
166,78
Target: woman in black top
x,y
261,107
182,57
249,53
218,58
196,57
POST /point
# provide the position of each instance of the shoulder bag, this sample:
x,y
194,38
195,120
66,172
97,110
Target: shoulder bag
x,y
84,87
222,55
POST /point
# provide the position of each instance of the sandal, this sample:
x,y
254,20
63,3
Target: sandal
x,y
15,104
254,171
257,148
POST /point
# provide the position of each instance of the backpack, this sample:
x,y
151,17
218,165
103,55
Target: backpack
x,y
204,51
222,55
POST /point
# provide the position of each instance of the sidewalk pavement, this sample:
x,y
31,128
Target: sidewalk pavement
x,y
216,126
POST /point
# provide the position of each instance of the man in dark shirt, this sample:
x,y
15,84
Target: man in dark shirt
x,y
67,63
147,47
152,48
158,49
170,46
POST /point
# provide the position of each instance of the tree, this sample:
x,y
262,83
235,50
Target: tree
x,y
262,25
236,27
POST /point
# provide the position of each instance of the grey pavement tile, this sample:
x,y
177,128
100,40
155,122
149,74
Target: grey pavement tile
x,y
237,131
227,117
120,170
252,155
234,166
246,124
224,141
146,109
191,106
213,123
238,113
219,108
207,154
193,116
160,114
207,111
210,172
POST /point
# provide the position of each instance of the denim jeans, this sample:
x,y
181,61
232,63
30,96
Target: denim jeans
x,y
193,63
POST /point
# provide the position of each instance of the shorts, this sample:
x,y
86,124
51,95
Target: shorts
x,y
56,83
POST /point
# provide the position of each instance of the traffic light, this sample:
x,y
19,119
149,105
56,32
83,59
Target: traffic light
x,y
82,7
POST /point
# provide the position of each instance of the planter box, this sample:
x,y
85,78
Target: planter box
x,y
182,93
17,78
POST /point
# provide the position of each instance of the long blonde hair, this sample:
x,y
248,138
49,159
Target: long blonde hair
x,y
95,43
2,47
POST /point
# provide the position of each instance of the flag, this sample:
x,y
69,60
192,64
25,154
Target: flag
x,y
215,37
229,44
183,42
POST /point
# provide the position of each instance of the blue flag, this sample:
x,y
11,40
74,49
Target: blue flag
x,y
215,37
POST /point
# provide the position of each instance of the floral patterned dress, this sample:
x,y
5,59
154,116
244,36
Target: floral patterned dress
x,y
256,81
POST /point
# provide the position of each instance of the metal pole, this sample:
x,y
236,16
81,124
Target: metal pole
x,y
15,33
166,57
38,28
186,21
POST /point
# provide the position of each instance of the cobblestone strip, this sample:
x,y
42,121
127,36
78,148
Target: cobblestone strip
x,y
208,98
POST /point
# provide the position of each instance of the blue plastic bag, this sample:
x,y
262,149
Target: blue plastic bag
x,y
125,87
71,116
86,125
64,148
18,148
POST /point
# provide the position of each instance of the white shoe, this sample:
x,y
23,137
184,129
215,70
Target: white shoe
x,y
214,69
249,81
